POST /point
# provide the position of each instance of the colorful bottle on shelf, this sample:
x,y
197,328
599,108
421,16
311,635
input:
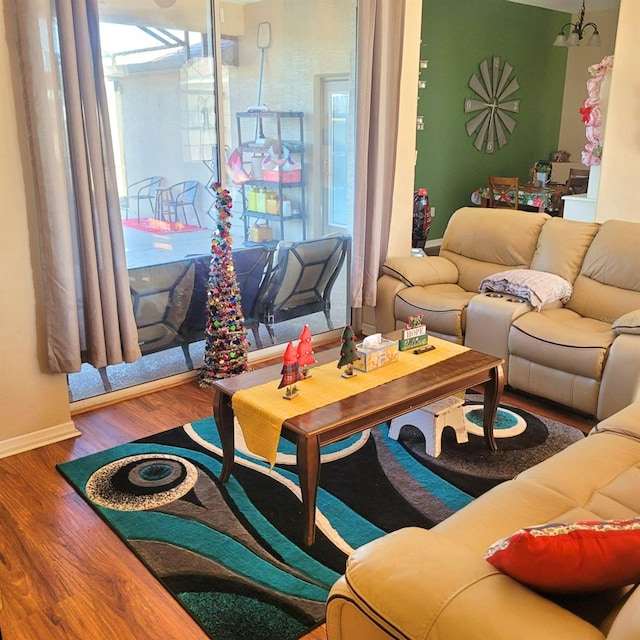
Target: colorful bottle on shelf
x,y
273,204
252,201
286,207
261,200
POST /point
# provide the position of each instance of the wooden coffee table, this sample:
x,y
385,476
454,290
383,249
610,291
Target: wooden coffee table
x,y
314,429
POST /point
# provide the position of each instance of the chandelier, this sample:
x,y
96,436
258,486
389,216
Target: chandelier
x,y
577,33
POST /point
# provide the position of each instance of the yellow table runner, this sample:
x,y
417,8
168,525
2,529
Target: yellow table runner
x,y
261,410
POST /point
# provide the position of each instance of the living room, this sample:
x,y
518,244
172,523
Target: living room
x,y
35,402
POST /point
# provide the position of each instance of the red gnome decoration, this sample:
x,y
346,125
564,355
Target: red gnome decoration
x,y
290,372
305,352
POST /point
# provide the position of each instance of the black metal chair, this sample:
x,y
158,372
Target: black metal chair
x,y
301,281
162,299
176,198
250,266
143,190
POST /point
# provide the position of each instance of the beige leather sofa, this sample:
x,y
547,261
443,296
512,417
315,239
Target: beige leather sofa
x,y
584,354
434,584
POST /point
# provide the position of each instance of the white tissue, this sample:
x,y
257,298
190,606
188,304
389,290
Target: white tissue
x,y
373,341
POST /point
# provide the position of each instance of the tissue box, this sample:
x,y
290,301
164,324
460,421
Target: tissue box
x,y
375,357
414,338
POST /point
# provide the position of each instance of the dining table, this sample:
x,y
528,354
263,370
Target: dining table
x,y
530,196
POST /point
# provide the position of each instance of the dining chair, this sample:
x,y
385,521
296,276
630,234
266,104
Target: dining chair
x,y
503,192
577,183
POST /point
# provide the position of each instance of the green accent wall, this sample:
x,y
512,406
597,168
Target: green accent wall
x,y
456,36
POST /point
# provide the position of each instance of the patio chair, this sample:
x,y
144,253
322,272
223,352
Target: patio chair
x,y
301,281
176,198
143,190
250,266
161,296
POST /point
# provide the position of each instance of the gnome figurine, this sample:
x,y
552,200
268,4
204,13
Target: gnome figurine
x,y
290,372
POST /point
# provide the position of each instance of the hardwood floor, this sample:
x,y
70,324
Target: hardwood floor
x,y
64,574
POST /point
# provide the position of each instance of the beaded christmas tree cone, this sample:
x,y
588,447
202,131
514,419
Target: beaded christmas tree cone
x,y
226,337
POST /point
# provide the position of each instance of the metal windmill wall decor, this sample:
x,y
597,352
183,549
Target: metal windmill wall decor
x,y
492,105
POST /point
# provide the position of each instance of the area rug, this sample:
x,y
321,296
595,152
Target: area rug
x,y
161,227
231,554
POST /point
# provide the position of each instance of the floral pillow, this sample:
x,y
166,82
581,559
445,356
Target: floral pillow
x,y
538,287
571,558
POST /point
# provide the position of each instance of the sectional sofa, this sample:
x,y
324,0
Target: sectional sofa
x,y
419,584
570,335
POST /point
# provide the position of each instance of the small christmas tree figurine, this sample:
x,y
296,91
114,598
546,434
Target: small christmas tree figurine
x,y
305,352
226,337
290,372
348,352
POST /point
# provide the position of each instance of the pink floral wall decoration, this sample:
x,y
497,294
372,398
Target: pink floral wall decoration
x,y
591,112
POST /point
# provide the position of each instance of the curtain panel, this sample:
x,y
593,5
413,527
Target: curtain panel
x,y
380,39
84,284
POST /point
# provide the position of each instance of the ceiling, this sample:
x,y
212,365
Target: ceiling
x,y
572,6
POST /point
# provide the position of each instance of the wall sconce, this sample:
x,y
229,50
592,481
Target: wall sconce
x,y
165,4
577,33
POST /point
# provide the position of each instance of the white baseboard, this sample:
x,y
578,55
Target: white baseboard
x,y
36,439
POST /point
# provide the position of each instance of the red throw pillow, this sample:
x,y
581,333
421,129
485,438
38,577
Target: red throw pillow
x,y
571,558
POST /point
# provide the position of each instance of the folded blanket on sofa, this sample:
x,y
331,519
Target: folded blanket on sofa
x,y
538,287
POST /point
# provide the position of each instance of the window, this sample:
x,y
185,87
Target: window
x,y
280,99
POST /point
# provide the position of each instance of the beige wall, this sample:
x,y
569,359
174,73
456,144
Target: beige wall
x,y
401,223
579,59
34,406
621,151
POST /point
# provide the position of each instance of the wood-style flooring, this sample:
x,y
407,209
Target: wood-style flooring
x,y
64,575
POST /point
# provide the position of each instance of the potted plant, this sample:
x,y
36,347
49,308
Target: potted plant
x,y
542,170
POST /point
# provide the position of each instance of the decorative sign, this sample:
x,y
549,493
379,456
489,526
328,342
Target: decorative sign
x,y
414,335
493,89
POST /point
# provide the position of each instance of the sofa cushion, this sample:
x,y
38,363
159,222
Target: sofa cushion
x,y
609,282
562,245
482,241
571,558
627,323
561,339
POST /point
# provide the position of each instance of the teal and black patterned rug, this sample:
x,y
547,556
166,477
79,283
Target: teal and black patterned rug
x,y
231,554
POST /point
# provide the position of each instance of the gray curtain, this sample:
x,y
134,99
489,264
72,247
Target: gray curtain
x,y
380,36
83,279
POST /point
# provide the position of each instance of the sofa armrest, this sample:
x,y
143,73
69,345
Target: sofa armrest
x,y
627,323
422,271
425,585
620,384
387,290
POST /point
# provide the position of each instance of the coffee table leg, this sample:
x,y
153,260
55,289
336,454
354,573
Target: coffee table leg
x,y
223,414
308,457
492,393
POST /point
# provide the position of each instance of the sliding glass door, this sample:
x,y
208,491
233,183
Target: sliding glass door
x,y
257,94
